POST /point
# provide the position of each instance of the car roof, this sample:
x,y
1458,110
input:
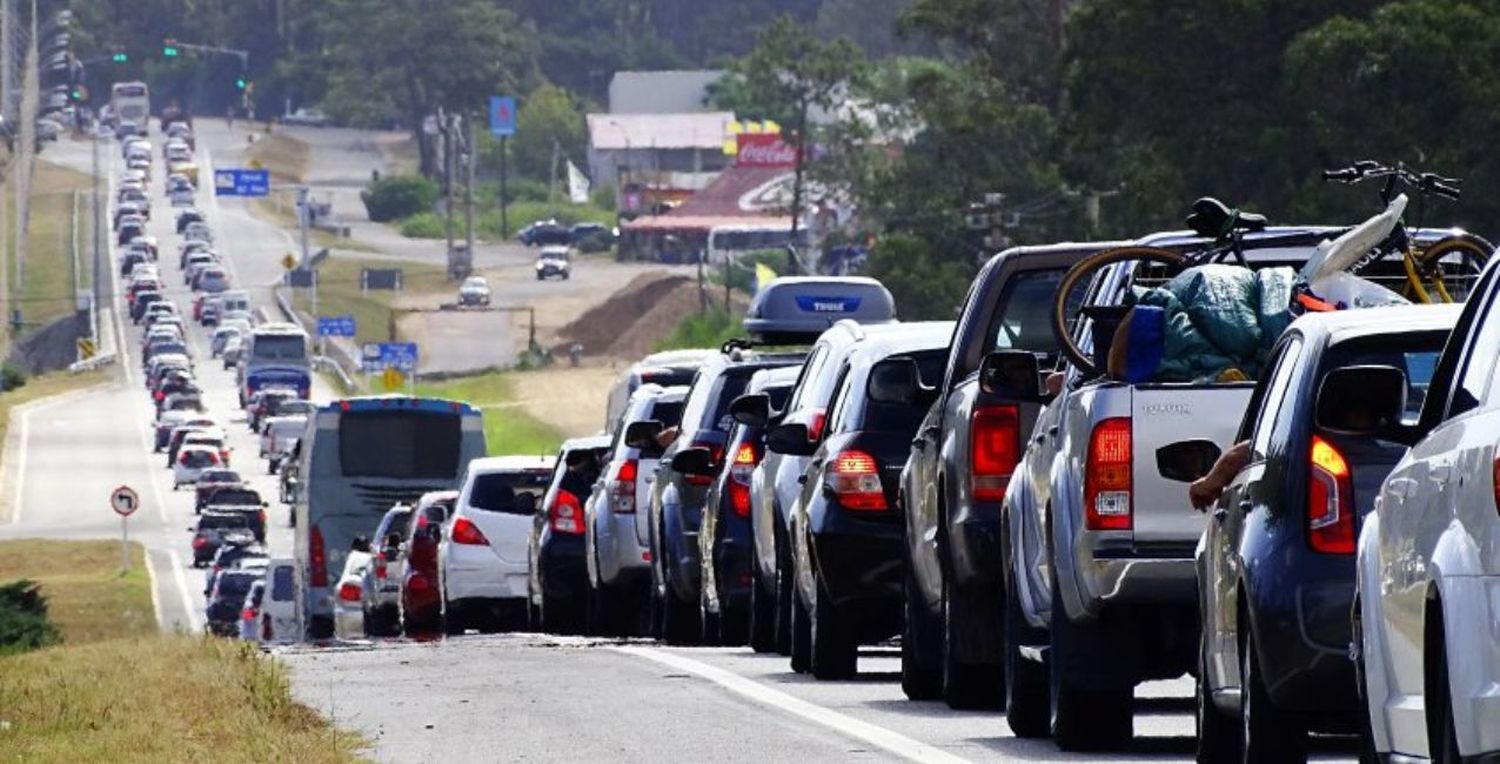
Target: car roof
x,y
780,376
491,464
922,336
1343,325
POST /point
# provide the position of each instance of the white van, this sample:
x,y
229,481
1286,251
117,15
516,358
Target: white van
x,y
234,301
278,608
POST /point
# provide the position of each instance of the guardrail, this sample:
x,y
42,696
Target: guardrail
x,y
103,359
323,361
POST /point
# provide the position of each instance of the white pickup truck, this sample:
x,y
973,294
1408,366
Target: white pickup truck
x,y
1099,579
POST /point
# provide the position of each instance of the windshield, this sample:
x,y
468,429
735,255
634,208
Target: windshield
x,y
238,497
496,491
399,444
1023,320
218,522
279,347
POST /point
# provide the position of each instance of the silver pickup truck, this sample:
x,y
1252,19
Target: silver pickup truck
x,y
1099,580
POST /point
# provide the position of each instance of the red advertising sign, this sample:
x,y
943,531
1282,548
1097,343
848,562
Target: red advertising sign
x,y
764,150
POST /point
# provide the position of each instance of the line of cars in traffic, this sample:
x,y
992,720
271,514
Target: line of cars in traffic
x,y
248,593
1023,523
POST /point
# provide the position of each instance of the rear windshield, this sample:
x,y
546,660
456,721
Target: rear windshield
x,y
234,584
496,491
198,459
707,406
864,414
669,413
223,521
238,497
1415,353
1023,320
281,583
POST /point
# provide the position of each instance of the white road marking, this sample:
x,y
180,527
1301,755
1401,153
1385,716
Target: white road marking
x,y
23,440
182,587
875,735
155,596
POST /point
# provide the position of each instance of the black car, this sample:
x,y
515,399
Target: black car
x,y
558,586
227,495
212,530
1276,570
591,237
139,304
187,217
724,538
229,556
544,233
678,495
846,527
229,590
127,232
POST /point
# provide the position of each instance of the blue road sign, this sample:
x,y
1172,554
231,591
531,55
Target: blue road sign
x,y
502,115
242,182
379,356
335,326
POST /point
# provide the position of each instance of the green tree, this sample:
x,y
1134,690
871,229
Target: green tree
x,y
549,124
926,283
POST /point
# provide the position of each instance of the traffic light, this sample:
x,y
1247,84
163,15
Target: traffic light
x,y
121,58
79,94
170,51
241,84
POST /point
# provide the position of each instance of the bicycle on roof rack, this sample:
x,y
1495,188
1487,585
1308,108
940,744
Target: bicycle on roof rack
x,y
1426,268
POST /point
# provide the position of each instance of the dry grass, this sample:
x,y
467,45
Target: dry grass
x,y
339,293
286,157
88,599
279,209
116,690
161,699
47,290
509,427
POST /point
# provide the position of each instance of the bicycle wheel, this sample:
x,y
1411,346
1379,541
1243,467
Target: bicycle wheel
x,y
1452,266
1156,264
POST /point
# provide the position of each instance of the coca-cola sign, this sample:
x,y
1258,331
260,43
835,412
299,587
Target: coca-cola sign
x,y
764,150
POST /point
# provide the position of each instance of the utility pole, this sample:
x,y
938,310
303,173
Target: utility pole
x,y
7,60
504,220
98,217
470,149
448,166
304,215
30,98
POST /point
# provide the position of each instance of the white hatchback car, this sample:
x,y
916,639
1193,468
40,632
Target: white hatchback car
x,y
192,460
483,561
1427,612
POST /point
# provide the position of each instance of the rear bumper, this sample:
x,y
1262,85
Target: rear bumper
x,y
563,573
1104,573
622,560
1299,605
861,561
975,548
479,574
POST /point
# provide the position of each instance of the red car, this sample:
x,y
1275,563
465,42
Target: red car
x,y
421,603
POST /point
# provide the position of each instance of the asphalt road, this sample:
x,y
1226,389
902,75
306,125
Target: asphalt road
x,y
510,697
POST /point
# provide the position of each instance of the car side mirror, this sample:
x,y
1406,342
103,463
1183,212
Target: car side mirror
x,y
642,435
694,461
1011,374
1362,400
1187,460
751,409
790,439
894,380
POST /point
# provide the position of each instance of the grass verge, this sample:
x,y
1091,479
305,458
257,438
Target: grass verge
x,y
339,293
508,427
47,288
117,690
278,209
286,157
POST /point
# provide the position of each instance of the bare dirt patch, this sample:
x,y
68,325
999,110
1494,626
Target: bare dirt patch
x,y
635,318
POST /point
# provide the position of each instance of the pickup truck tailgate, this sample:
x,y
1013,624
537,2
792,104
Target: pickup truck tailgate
x,y
1165,414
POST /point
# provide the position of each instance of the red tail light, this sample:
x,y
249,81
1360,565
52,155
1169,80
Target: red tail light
x,y
199,542
854,477
740,470
466,532
182,458
248,614
380,566
349,592
717,453
159,395
317,559
1495,481
1106,478
816,423
1330,500
995,448
417,583
566,514
622,487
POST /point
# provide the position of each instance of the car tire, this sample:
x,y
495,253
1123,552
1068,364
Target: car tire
x,y
558,616
708,623
1442,737
454,622
834,651
1367,753
921,675
1218,735
1267,733
801,635
598,617
786,604
679,621
762,615
966,686
734,624
1082,717
1027,704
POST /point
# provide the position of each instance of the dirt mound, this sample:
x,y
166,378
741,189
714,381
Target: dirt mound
x,y
636,317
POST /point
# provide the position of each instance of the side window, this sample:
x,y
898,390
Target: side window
x,y
810,371
1478,365
838,418
1281,380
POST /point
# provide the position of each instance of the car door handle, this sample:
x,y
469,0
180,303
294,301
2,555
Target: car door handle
x,y
1220,513
1052,430
801,480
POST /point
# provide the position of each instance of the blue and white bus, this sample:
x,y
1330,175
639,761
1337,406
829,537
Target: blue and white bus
x,y
357,458
276,355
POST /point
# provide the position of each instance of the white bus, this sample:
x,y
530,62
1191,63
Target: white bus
x,y
131,102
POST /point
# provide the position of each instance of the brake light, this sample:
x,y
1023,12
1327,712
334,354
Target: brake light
x,y
1106,478
349,592
740,470
566,514
417,583
380,566
854,477
995,448
815,424
159,395
1330,499
466,532
199,542
716,453
622,487
1495,481
248,614
317,558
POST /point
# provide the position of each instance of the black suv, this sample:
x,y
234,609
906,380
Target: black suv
x,y
1276,570
846,529
683,476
